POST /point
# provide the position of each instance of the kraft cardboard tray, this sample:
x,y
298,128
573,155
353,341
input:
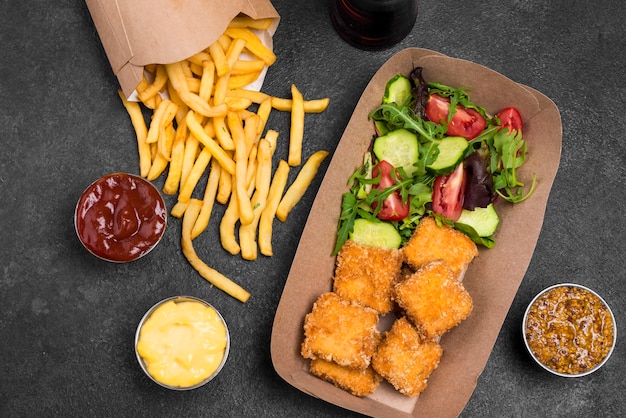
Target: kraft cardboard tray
x,y
492,279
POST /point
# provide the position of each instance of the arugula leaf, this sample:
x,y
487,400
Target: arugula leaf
x,y
508,153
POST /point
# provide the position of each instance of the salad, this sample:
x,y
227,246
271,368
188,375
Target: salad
x,y
435,153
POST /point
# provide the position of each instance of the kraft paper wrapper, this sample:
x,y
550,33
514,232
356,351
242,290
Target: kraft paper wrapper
x,y
492,279
135,33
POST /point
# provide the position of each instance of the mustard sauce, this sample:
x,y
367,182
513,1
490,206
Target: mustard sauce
x,y
182,343
569,329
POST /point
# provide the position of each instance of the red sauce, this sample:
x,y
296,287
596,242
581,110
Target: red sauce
x,y
120,217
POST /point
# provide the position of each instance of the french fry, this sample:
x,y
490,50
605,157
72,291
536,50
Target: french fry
x,y
194,175
208,201
241,80
222,133
219,58
246,215
251,170
247,66
224,188
163,115
178,210
234,51
296,131
192,145
237,103
221,87
310,106
250,130
218,152
297,189
253,43
264,110
160,161
227,226
207,80
211,275
279,181
252,95
141,132
247,233
172,182
272,137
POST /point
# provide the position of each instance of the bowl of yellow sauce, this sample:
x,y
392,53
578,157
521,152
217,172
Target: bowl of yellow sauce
x,y
569,330
182,342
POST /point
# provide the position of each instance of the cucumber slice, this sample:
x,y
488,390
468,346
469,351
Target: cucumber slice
x,y
397,90
451,152
399,148
375,234
482,220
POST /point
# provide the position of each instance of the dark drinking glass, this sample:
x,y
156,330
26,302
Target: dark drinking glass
x,y
373,24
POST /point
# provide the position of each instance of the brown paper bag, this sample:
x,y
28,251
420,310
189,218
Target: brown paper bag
x,y
135,33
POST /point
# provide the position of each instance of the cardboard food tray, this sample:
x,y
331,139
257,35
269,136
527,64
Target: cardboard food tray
x,y
135,33
492,279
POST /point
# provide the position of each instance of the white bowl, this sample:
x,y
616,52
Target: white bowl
x,y
144,365
562,308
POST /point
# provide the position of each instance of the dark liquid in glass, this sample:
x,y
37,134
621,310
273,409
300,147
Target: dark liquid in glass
x,y
373,24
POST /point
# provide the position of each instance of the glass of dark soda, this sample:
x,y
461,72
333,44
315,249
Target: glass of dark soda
x,y
373,24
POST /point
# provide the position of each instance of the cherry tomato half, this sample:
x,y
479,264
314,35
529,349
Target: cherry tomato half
x,y
393,208
511,119
467,123
448,193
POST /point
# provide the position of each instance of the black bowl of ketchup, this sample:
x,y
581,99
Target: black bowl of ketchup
x,y
120,217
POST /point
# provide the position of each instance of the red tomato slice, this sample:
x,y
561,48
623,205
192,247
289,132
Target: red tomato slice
x,y
511,119
448,193
467,123
393,208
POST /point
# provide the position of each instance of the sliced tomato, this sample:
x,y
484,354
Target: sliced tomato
x,y
511,119
393,208
448,193
467,123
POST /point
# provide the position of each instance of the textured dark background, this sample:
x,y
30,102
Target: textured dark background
x,y
67,320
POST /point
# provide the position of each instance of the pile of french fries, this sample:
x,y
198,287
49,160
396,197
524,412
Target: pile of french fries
x,y
202,121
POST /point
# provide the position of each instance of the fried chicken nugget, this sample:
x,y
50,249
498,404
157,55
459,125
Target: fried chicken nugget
x,y
433,299
404,360
432,242
366,275
357,382
341,331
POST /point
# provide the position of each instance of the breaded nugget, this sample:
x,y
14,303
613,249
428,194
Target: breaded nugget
x,y
341,331
433,242
404,360
366,275
433,299
357,382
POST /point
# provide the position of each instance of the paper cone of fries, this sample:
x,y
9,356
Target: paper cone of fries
x,y
135,33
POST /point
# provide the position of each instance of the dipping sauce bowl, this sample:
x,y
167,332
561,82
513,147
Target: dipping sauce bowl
x,y
569,330
182,343
120,217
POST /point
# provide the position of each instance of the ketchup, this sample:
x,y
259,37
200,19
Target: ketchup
x,y
120,217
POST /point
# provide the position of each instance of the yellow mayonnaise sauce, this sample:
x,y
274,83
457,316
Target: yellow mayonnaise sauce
x,y
182,343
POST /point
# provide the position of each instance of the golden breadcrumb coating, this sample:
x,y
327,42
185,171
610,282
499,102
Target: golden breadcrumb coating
x,y
341,331
366,275
433,242
357,382
404,360
433,299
